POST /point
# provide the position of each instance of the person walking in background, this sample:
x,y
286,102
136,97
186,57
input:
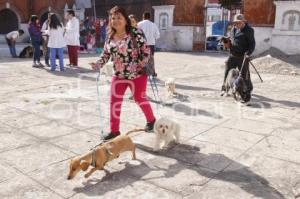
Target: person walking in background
x,y
56,42
45,37
11,39
129,60
151,32
36,39
102,31
72,37
133,20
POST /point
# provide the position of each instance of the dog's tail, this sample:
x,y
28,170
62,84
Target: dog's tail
x,y
134,130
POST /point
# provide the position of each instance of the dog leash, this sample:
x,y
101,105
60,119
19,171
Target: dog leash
x,y
256,71
98,97
243,64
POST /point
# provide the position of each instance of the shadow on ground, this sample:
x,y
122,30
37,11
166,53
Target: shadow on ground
x,y
242,176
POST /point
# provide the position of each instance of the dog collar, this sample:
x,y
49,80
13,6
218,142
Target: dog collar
x,y
94,158
107,154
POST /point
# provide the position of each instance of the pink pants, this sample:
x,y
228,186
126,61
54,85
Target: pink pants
x,y
117,91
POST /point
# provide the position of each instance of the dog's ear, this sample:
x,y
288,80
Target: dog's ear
x,y
156,126
84,165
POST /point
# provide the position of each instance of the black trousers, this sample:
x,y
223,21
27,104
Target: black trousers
x,y
152,49
237,62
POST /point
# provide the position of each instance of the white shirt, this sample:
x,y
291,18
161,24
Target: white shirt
x,y
13,35
72,32
150,30
45,26
56,37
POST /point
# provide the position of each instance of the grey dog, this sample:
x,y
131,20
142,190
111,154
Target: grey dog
x,y
233,75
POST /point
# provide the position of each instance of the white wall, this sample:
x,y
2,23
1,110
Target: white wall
x,y
263,39
176,38
288,41
289,44
172,38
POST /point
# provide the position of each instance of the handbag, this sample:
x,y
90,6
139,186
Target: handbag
x,y
148,68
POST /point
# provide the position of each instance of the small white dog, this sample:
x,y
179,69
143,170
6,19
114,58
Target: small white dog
x,y
170,86
166,131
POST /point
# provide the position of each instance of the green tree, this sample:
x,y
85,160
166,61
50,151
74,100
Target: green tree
x,y
230,4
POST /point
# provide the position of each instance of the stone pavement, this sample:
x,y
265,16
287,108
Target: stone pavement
x,y
227,150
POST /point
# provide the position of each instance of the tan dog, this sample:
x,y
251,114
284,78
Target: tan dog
x,y
100,155
170,86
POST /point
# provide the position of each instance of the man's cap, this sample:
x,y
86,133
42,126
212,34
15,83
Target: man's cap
x,y
238,18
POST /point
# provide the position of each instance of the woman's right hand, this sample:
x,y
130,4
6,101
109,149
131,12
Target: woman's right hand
x,y
94,66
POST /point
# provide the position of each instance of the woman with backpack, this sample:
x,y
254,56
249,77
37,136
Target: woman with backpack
x,y
127,48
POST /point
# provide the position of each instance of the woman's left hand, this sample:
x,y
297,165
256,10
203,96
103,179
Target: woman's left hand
x,y
94,66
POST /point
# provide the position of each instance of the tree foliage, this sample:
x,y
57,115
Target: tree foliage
x,y
230,4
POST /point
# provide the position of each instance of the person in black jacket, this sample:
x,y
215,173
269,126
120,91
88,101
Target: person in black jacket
x,y
241,45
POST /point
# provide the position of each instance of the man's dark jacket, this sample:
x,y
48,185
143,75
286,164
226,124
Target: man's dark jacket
x,y
242,41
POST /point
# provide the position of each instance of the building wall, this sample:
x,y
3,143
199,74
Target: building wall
x,y
263,39
187,12
259,12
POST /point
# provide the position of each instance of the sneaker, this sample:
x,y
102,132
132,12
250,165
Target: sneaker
x,y
110,136
40,65
149,126
247,97
35,65
223,90
48,65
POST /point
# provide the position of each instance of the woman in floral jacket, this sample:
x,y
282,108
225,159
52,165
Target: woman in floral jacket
x,y
127,48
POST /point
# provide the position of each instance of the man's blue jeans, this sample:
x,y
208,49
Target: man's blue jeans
x,y
12,50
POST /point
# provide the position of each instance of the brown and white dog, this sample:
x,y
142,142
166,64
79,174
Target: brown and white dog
x,y
100,155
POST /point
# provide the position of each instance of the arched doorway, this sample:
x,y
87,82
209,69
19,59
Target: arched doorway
x,y
9,21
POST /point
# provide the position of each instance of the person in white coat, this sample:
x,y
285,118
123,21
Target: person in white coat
x,y
72,37
56,42
152,34
150,30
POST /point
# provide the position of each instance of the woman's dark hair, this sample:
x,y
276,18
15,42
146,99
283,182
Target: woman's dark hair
x,y
54,22
146,15
118,10
33,18
71,12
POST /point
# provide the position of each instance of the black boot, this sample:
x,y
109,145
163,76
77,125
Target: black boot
x,y
149,126
110,136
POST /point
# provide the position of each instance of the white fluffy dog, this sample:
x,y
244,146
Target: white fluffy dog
x,y
166,131
170,86
108,68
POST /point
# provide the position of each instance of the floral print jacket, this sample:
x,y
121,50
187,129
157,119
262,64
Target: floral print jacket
x,y
128,54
